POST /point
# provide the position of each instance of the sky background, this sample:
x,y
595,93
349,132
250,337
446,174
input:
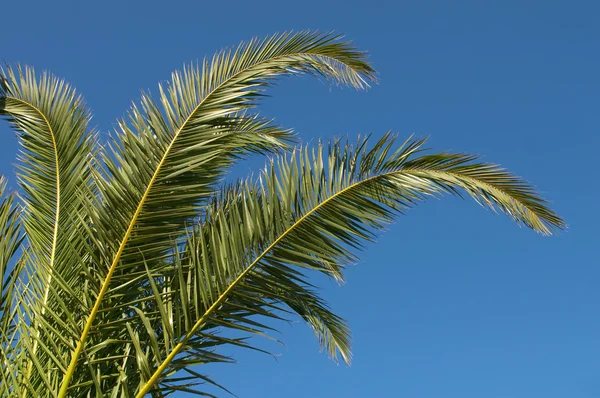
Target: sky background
x,y
453,301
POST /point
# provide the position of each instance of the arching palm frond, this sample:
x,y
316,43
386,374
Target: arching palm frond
x,y
308,211
54,170
11,237
170,156
122,265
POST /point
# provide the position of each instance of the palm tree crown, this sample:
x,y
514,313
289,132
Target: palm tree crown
x,y
122,262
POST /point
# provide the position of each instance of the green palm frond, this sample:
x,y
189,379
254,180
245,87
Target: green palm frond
x,y
169,157
308,211
54,167
11,237
125,266
52,122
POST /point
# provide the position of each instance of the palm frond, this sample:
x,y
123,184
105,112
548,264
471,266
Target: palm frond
x,y
169,155
124,267
11,237
308,211
54,167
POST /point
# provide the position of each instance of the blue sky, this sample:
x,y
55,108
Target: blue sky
x,y
453,301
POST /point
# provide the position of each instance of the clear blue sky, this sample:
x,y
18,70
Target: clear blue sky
x,y
453,301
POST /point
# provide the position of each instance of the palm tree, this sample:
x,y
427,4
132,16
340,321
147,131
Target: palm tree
x,y
123,263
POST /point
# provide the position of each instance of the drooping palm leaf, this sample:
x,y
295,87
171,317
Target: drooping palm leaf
x,y
11,237
133,267
307,212
10,241
169,157
52,124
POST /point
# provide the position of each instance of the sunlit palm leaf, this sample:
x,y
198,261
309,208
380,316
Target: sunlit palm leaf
x,y
11,237
10,240
307,212
137,265
169,157
52,124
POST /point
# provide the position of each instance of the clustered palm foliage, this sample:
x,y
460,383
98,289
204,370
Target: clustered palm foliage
x,y
122,263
